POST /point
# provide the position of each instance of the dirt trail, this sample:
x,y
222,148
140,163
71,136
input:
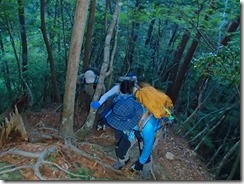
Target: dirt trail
x,y
97,154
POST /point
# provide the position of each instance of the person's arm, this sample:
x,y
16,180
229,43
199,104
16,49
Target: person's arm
x,y
148,134
113,91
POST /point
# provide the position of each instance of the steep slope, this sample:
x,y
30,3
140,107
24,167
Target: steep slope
x,y
91,159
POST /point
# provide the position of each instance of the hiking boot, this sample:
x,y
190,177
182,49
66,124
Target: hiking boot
x,y
119,164
146,175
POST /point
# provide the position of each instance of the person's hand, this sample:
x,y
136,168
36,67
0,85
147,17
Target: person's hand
x,y
95,105
137,166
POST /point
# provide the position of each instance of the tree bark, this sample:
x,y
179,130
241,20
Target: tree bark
x,y
181,74
177,58
66,124
232,28
63,30
89,34
50,54
82,132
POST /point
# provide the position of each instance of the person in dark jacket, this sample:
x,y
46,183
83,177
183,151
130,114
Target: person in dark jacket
x,y
87,83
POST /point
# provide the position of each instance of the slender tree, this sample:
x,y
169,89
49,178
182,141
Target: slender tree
x,y
226,156
82,132
66,125
132,39
232,28
235,166
50,54
21,12
89,34
177,58
184,68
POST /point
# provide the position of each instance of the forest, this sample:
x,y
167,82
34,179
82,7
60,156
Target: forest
x,y
190,49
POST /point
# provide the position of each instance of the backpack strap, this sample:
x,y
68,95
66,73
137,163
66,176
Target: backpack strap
x,y
144,119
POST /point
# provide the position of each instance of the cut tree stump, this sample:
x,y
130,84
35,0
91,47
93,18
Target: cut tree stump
x,y
12,129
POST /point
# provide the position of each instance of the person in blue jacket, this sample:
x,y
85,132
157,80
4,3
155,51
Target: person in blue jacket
x,y
127,85
147,137
124,118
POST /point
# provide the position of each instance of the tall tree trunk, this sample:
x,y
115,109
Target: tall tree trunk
x,y
89,34
132,41
66,124
50,54
23,85
1,43
149,32
131,45
164,71
177,81
23,37
6,69
182,72
9,30
178,55
232,28
63,30
82,132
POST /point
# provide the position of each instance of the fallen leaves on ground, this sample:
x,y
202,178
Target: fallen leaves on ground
x,y
99,147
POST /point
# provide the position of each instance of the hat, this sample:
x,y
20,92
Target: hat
x,y
131,78
131,74
125,114
90,76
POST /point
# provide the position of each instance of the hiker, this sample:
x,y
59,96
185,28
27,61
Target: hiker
x,y
124,118
87,82
144,131
127,85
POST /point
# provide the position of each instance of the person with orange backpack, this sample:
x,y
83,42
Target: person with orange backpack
x,y
145,131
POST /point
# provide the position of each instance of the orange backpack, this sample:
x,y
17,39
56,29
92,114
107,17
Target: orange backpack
x,y
155,101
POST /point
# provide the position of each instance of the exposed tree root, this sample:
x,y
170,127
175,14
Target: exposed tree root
x,y
36,166
40,159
